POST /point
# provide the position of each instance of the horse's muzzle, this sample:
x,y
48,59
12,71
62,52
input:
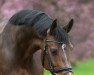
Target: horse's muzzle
x,y
69,73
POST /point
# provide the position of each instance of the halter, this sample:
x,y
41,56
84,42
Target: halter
x,y
53,69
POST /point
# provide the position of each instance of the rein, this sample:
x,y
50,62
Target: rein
x,y
53,69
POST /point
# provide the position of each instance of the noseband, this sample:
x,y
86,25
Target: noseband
x,y
53,69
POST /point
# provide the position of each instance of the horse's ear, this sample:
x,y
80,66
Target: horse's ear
x,y
68,27
53,26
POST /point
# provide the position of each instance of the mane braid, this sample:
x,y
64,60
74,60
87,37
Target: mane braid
x,y
40,21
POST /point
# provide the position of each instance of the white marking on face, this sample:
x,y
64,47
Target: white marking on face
x,y
63,46
65,56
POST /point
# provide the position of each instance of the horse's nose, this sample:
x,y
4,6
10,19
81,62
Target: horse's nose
x,y
69,73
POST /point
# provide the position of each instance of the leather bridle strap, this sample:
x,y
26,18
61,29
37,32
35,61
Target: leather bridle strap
x,y
64,69
54,41
45,53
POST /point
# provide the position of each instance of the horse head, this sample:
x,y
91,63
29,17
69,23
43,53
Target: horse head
x,y
57,47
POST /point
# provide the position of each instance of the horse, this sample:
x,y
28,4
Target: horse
x,y
30,31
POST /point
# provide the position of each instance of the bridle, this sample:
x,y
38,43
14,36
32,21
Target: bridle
x,y
53,69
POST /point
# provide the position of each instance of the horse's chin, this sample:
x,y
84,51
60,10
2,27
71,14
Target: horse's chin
x,y
69,73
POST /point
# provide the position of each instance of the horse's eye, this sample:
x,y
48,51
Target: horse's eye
x,y
54,51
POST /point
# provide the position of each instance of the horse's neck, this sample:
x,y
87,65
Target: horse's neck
x,y
20,53
37,67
